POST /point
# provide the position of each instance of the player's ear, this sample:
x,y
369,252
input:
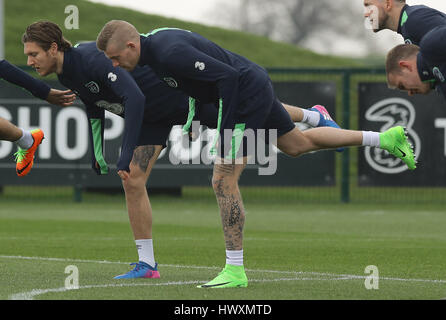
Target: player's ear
x,y
405,65
53,49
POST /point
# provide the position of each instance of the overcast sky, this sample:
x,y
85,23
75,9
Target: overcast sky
x,y
202,11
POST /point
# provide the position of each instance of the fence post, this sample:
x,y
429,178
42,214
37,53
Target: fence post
x,y
345,184
78,184
77,193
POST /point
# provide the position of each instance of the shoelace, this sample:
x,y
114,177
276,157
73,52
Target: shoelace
x,y
137,266
20,155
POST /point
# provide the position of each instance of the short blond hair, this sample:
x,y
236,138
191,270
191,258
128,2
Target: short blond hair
x,y
398,54
117,31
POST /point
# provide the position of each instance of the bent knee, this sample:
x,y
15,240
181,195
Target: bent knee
x,y
134,183
222,182
293,152
219,180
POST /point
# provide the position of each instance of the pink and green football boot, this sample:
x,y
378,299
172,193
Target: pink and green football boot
x,y
326,120
141,270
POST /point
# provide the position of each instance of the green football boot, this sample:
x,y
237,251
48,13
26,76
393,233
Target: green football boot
x,y
396,143
230,277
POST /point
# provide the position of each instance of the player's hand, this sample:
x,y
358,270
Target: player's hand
x,y
123,174
61,98
96,168
99,171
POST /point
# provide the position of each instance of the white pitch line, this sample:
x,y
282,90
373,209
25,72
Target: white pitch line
x,y
99,261
175,266
29,295
349,276
61,259
321,274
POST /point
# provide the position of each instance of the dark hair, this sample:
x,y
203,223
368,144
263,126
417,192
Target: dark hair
x,y
45,33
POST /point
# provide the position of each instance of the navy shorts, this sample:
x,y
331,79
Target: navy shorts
x,y
264,115
157,133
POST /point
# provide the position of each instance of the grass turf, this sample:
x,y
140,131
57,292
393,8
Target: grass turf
x,y
92,17
292,251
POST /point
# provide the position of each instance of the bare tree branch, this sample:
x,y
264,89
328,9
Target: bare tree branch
x,y
297,21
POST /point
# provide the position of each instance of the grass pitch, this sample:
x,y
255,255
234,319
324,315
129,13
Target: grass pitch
x,y
292,251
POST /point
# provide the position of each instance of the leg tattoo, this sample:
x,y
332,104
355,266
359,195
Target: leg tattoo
x,y
233,220
231,206
142,156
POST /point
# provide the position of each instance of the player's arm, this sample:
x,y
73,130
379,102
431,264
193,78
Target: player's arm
x,y
133,101
20,78
433,47
96,122
433,53
36,87
189,62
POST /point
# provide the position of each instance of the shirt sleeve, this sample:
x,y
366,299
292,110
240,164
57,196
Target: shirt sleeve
x,y
20,78
422,21
433,47
433,53
189,62
133,101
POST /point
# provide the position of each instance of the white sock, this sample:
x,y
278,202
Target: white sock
x,y
145,251
311,117
234,258
371,139
26,141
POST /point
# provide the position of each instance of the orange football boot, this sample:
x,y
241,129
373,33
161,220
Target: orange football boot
x,y
25,157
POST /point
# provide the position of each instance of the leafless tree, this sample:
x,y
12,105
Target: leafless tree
x,y
296,20
300,22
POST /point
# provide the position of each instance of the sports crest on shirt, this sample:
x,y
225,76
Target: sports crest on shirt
x,y
171,82
438,74
92,86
